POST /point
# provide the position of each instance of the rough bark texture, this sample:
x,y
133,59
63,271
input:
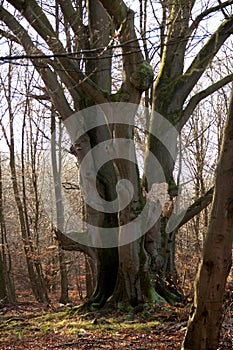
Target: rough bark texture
x,y
172,87
88,82
137,78
206,313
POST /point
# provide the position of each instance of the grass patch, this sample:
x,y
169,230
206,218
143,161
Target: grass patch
x,y
16,326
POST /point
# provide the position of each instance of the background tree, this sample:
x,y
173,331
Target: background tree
x,y
7,282
30,139
3,291
56,166
30,249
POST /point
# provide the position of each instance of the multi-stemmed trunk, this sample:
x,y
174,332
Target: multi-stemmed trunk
x,y
115,21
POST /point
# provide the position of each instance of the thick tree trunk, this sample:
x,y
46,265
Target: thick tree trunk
x,y
88,80
132,256
106,276
206,314
100,29
173,86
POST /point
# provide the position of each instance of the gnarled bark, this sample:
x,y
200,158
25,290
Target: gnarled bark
x,y
206,314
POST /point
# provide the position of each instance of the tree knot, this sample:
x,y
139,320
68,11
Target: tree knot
x,y
143,77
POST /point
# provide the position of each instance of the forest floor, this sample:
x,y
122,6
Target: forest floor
x,y
30,325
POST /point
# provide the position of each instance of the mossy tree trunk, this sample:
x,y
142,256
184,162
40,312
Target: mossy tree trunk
x,y
206,314
172,88
82,63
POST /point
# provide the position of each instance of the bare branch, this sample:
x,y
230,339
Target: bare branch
x,y
71,16
200,204
54,88
137,79
207,12
189,79
9,36
224,12
69,244
200,96
117,10
38,20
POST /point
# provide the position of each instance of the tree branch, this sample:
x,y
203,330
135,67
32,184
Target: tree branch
x,y
38,20
188,80
200,204
205,13
225,14
68,244
54,88
71,16
117,10
200,96
73,88
9,36
138,73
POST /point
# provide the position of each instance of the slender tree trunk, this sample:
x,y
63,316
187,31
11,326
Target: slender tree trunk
x,y
6,277
64,297
36,288
206,313
6,261
56,168
36,268
3,293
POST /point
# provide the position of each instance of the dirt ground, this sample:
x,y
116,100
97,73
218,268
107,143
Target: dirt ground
x,y
32,326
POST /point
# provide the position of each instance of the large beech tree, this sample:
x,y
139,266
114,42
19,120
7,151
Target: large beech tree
x,y
76,69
